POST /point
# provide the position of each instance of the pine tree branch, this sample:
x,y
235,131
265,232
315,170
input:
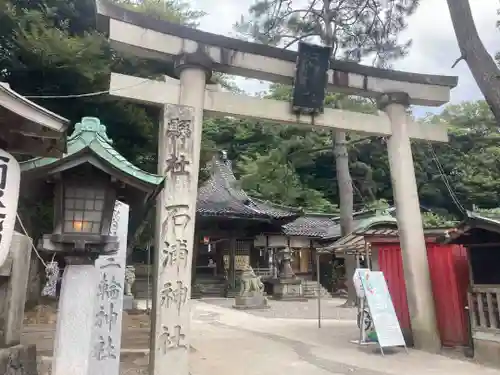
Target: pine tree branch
x,y
462,57
329,148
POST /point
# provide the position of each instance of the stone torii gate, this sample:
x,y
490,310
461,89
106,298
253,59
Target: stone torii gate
x,y
196,55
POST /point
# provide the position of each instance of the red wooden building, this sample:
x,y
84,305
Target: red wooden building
x,y
449,274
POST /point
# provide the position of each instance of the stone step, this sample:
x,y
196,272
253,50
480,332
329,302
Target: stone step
x,y
210,288
310,290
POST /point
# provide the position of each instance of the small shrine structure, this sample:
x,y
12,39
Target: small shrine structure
x,y
28,128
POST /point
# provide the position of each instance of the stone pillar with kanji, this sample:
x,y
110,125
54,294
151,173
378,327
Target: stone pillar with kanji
x,y
178,161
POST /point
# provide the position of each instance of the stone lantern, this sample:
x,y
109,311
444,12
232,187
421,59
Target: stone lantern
x,y
286,285
87,184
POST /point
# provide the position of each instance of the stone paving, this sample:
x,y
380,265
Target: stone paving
x,y
256,345
287,340
330,309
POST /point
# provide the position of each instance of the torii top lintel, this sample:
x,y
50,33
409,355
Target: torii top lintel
x,y
149,37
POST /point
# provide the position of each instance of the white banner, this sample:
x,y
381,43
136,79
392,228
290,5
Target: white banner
x,y
10,176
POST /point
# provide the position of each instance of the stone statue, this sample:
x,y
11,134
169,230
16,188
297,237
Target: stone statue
x,y
129,280
251,291
250,283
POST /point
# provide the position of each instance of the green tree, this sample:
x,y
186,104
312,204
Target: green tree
x,y
469,159
177,11
433,220
271,178
50,50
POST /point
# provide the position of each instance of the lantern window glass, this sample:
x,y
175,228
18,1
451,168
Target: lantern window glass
x,y
99,204
83,209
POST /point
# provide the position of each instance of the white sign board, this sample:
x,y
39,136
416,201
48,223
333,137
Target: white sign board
x,y
10,176
356,279
382,310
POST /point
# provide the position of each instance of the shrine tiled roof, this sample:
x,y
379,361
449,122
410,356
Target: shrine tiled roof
x,y
312,225
222,195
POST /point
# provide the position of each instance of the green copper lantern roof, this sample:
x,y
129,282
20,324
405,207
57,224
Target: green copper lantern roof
x,y
90,138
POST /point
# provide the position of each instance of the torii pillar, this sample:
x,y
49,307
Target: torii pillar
x,y
411,233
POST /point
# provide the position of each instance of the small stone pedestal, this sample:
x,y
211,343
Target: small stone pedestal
x,y
288,289
128,303
251,301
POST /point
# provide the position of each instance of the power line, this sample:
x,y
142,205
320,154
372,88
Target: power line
x,y
85,95
445,179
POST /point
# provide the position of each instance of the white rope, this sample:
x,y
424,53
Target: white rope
x,y
25,232
51,269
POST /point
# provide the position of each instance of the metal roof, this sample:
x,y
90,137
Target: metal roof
x,y
90,135
473,220
356,240
360,219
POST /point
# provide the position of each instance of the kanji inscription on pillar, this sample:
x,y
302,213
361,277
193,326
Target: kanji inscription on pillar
x,y
179,160
106,318
108,314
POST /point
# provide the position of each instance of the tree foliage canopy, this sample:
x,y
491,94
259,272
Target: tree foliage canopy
x,y
354,28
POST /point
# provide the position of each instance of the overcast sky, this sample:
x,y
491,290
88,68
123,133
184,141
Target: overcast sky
x,y
434,44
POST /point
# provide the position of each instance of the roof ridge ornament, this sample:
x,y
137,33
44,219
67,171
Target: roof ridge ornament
x,y
90,125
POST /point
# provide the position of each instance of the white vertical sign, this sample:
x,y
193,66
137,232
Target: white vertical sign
x,y
10,176
107,329
382,310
